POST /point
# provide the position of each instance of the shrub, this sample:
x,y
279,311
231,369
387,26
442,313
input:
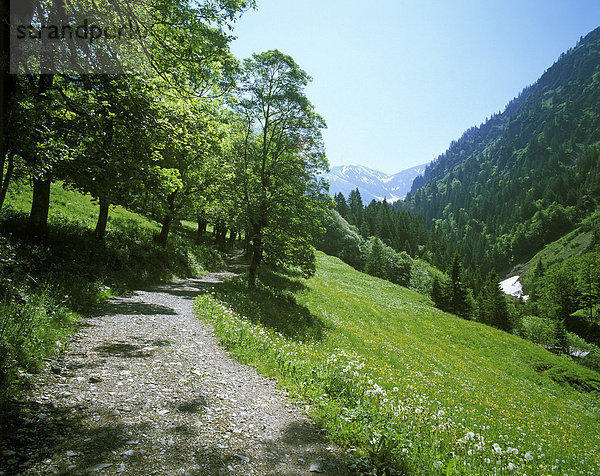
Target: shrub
x,y
539,330
342,240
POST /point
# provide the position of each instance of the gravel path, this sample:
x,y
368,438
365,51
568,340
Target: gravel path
x,y
146,389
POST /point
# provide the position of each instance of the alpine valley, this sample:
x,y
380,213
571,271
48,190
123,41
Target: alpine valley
x,y
378,310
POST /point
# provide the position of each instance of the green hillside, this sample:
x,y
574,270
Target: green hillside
x,y
526,176
408,385
571,245
72,205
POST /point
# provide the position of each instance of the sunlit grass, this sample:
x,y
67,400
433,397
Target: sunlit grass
x,y
76,207
411,386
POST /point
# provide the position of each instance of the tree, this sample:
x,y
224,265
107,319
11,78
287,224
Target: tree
x,y
375,265
383,223
113,133
538,274
458,293
341,205
438,293
190,146
558,297
399,266
281,154
588,280
491,304
420,278
342,240
186,46
355,205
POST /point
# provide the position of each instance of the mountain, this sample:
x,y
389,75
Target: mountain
x,y
372,184
527,175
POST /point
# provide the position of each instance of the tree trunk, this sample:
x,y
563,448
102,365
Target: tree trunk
x,y
7,176
247,243
8,82
164,231
202,223
257,253
38,217
232,236
220,235
102,219
167,219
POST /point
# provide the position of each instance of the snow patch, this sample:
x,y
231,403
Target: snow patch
x,y
578,353
513,287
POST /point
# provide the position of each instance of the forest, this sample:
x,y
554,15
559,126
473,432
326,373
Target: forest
x,y
526,176
211,139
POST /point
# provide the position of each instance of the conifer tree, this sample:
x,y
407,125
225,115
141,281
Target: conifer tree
x,y
438,294
340,205
375,265
491,303
538,273
384,225
459,302
355,204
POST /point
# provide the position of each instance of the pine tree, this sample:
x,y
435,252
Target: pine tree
x,y
438,294
375,265
561,337
538,273
341,205
365,229
383,223
459,302
355,204
491,304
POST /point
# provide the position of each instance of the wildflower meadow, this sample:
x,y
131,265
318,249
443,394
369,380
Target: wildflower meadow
x,y
405,387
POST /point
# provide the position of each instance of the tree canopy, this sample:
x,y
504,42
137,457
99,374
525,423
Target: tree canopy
x,y
280,152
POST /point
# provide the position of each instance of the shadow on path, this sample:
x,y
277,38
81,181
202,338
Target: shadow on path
x,y
67,440
273,304
72,432
129,308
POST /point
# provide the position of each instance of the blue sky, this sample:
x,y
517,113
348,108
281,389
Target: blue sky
x,y
397,81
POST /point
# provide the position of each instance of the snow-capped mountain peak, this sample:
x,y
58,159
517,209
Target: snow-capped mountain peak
x,y
372,184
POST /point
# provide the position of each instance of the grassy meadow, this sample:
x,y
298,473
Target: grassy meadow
x,y
410,388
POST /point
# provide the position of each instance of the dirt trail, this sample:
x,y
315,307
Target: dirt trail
x,y
146,389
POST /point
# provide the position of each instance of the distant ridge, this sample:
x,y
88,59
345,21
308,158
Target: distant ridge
x,y
372,184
